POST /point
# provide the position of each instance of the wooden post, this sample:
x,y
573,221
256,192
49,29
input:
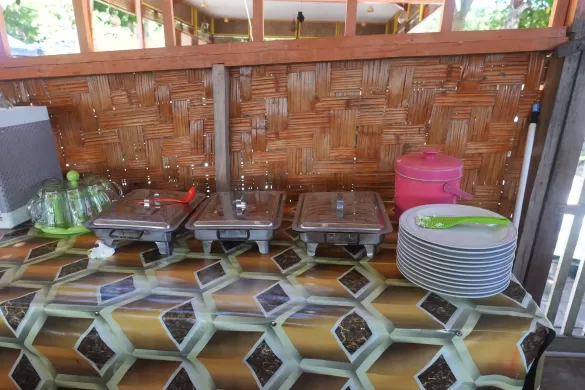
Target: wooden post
x,y
554,177
447,15
139,23
557,93
565,164
82,11
4,46
562,115
558,13
258,21
169,22
221,115
350,17
576,11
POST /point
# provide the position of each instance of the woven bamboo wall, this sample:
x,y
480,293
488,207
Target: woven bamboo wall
x,y
301,127
145,129
329,126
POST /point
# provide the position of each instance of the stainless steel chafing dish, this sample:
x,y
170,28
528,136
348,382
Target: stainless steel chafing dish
x,y
140,217
341,218
239,216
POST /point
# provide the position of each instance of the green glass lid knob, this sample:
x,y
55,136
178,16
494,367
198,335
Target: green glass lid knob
x,y
73,177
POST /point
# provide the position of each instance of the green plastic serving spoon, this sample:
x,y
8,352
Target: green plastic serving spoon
x,y
434,222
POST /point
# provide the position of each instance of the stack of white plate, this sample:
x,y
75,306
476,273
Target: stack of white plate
x,y
467,261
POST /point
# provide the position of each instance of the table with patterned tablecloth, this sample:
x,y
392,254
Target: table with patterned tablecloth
x,y
238,319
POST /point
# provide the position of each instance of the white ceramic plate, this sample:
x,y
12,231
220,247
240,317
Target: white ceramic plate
x,y
441,291
403,234
453,288
443,260
451,284
467,237
453,273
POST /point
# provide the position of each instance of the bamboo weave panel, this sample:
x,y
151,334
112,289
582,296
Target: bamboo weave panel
x,y
342,125
151,129
300,127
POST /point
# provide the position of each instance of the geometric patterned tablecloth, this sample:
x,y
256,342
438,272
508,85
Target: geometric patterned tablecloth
x,y
238,319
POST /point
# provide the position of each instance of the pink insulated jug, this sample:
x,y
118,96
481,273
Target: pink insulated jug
x,y
426,178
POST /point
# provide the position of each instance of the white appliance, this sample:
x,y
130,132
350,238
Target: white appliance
x,y
28,156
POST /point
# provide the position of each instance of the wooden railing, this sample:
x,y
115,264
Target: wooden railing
x,y
284,52
560,14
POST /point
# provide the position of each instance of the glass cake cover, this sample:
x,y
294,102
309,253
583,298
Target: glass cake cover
x,y
359,211
241,210
129,213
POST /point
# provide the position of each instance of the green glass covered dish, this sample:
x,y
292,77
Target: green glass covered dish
x,y
62,207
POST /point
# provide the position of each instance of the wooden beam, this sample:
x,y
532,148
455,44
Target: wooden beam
x,y
559,185
4,46
447,15
258,21
350,17
82,12
220,77
169,23
575,12
139,23
563,104
558,13
282,52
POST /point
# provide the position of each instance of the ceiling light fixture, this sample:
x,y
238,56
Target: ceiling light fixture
x,y
364,24
226,20
300,17
204,4
370,9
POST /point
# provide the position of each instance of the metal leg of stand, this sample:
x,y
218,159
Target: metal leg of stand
x,y
164,247
370,249
110,242
206,246
311,248
263,247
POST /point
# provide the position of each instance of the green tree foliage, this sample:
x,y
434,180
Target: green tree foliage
x,y
46,24
486,16
20,23
537,15
111,15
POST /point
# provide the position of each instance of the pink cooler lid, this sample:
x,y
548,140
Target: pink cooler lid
x,y
429,165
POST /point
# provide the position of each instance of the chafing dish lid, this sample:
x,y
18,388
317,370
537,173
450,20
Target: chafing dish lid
x,y
128,213
359,211
241,210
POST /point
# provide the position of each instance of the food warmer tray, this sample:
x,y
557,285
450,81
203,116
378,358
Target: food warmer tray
x,y
239,216
128,219
341,218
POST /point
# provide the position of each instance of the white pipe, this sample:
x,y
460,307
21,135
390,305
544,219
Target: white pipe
x,y
525,165
249,20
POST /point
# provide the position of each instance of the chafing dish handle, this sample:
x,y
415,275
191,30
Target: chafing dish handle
x,y
241,205
339,205
121,234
